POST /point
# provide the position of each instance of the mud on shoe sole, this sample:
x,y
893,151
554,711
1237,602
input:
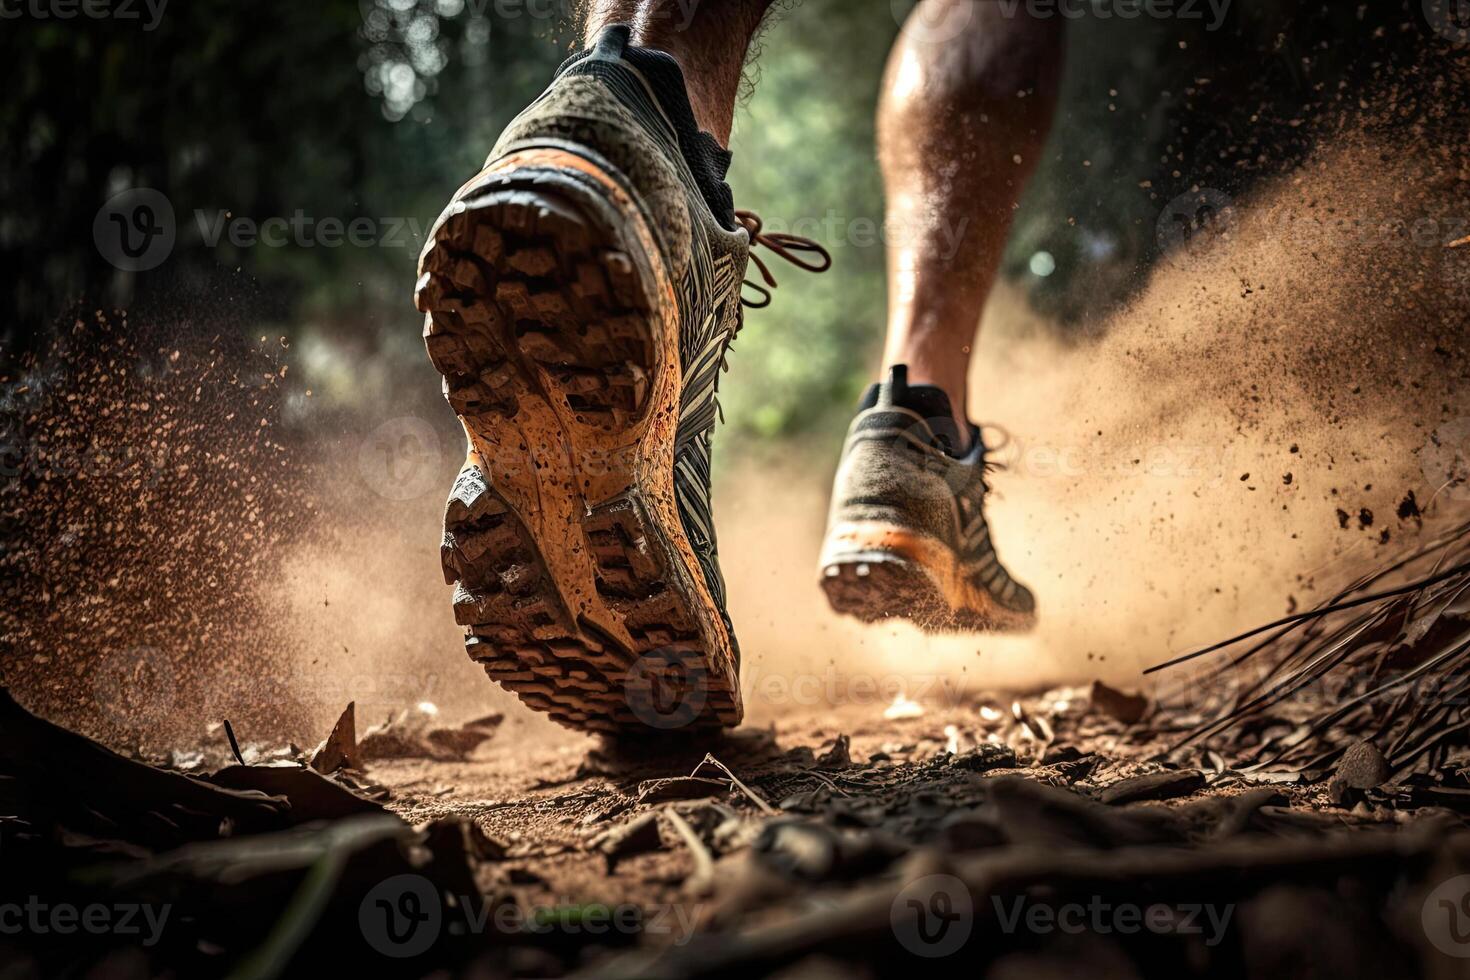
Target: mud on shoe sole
x,y
554,324
867,576
880,590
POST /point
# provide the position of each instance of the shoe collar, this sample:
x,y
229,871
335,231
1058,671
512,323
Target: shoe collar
x,y
930,408
663,80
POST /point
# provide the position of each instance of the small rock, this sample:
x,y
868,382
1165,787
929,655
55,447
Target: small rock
x,y
1127,708
1340,793
838,756
805,851
986,757
1363,767
1075,770
1163,785
465,739
412,734
339,749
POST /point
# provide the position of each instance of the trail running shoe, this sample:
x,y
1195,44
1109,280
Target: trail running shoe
x,y
906,536
581,294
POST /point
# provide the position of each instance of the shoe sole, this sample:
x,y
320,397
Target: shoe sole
x,y
876,572
555,325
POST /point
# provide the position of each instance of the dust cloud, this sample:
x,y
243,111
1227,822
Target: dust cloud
x,y
1236,443
148,492
193,536
1240,440
368,596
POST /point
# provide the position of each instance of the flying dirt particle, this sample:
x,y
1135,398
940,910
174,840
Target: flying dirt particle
x,y
1365,518
171,540
1286,480
1409,509
1343,517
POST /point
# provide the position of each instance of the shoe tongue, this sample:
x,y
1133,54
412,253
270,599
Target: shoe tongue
x,y
708,161
928,401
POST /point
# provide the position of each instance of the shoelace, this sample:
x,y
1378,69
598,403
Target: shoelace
x,y
792,248
789,247
987,464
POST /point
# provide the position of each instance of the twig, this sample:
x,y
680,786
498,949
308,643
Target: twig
x,y
1227,871
710,760
704,864
826,780
1318,614
234,745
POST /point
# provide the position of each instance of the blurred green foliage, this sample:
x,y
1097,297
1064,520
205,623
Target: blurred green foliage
x,y
804,160
380,108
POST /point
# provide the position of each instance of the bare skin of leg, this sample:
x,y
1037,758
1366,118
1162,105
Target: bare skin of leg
x,y
968,90
710,40
968,99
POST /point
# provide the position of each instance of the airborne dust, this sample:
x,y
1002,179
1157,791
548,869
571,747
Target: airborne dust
x,y
1283,405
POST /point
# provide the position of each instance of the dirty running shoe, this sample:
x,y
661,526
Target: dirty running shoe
x,y
906,536
581,293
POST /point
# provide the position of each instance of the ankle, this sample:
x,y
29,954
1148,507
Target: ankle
x,y
709,41
955,390
948,380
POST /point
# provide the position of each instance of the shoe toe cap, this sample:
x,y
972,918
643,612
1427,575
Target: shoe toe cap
x,y
1023,600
